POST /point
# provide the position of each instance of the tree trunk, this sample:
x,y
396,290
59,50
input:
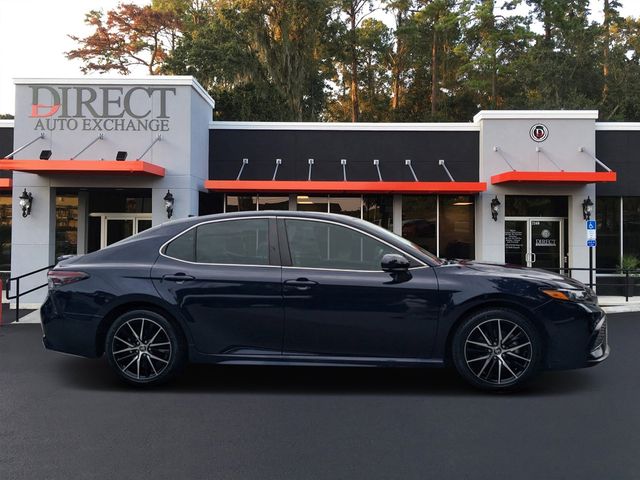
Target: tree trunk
x,y
355,104
607,41
434,72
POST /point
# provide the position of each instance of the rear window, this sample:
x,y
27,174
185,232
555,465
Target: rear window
x,y
232,242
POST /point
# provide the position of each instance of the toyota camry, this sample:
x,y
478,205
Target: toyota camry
x,y
300,288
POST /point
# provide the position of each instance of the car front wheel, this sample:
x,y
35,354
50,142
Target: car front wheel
x,y
144,348
497,349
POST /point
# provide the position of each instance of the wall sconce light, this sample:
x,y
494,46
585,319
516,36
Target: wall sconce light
x,y
45,154
168,203
26,199
121,156
495,208
587,208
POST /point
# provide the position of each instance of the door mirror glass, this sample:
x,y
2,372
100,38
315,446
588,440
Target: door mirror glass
x,y
393,262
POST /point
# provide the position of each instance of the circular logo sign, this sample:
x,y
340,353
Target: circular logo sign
x,y
539,132
545,233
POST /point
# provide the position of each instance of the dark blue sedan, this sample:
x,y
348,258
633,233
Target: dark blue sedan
x,y
298,288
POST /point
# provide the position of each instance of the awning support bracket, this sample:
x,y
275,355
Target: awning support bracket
x,y
310,167
343,162
582,150
539,150
157,139
99,137
376,162
499,152
275,172
407,162
441,163
19,149
244,162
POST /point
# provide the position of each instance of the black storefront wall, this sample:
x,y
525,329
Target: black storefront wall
x,y
460,150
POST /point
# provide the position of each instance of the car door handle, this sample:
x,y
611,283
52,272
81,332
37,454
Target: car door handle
x,y
300,283
178,277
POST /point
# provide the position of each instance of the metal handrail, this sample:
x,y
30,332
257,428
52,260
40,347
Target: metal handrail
x,y
629,274
18,292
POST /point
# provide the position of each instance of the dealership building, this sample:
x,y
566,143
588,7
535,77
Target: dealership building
x,y
87,162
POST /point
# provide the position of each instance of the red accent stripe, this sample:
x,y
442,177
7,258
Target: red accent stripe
x,y
314,186
554,177
105,167
5,183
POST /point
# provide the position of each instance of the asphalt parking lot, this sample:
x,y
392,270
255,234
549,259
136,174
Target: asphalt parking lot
x,y
63,417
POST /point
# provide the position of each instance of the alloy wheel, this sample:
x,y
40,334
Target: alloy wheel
x,y
498,351
141,349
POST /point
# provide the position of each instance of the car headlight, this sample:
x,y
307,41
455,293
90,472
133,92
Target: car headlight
x,y
567,294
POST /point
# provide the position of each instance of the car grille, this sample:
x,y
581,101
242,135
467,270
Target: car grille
x,y
601,338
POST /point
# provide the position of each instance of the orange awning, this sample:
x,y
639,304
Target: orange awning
x,y
314,186
82,167
553,177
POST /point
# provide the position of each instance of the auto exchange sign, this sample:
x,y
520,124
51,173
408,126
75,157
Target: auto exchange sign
x,y
100,109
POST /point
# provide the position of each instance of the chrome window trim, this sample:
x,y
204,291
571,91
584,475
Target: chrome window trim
x,y
285,217
162,247
347,269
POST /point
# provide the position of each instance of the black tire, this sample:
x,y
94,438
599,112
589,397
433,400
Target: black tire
x,y
498,366
158,357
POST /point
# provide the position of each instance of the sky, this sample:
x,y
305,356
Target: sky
x,y
35,37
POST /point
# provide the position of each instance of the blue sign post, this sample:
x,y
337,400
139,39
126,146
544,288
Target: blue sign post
x,y
591,242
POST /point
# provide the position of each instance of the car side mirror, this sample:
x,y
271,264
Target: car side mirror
x,y
394,263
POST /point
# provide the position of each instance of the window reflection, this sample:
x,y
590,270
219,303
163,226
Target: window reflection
x,y
457,229
305,203
273,203
378,209
351,206
608,218
419,220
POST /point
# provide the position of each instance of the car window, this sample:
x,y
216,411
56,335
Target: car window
x,y
235,242
327,245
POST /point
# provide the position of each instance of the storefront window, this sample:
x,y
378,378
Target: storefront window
x,y
631,229
378,209
351,206
5,232
457,230
420,220
305,203
608,217
241,203
66,225
273,203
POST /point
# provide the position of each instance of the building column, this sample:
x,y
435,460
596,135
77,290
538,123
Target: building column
x,y
83,221
33,241
489,232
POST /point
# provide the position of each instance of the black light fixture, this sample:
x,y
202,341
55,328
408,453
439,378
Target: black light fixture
x,y
495,208
587,208
168,203
121,155
45,154
26,199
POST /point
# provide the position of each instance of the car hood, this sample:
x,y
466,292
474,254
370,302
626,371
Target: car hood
x,y
516,271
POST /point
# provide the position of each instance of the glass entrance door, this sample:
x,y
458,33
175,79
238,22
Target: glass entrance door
x,y
545,244
536,242
118,226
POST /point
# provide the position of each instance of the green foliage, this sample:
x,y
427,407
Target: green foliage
x,y
336,60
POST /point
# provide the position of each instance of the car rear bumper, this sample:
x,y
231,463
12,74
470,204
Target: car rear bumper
x,y
72,333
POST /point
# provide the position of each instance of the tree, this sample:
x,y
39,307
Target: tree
x,y
129,35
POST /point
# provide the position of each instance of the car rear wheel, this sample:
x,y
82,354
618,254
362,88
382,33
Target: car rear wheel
x,y
497,349
144,348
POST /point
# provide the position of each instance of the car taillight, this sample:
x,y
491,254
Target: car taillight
x,y
58,278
